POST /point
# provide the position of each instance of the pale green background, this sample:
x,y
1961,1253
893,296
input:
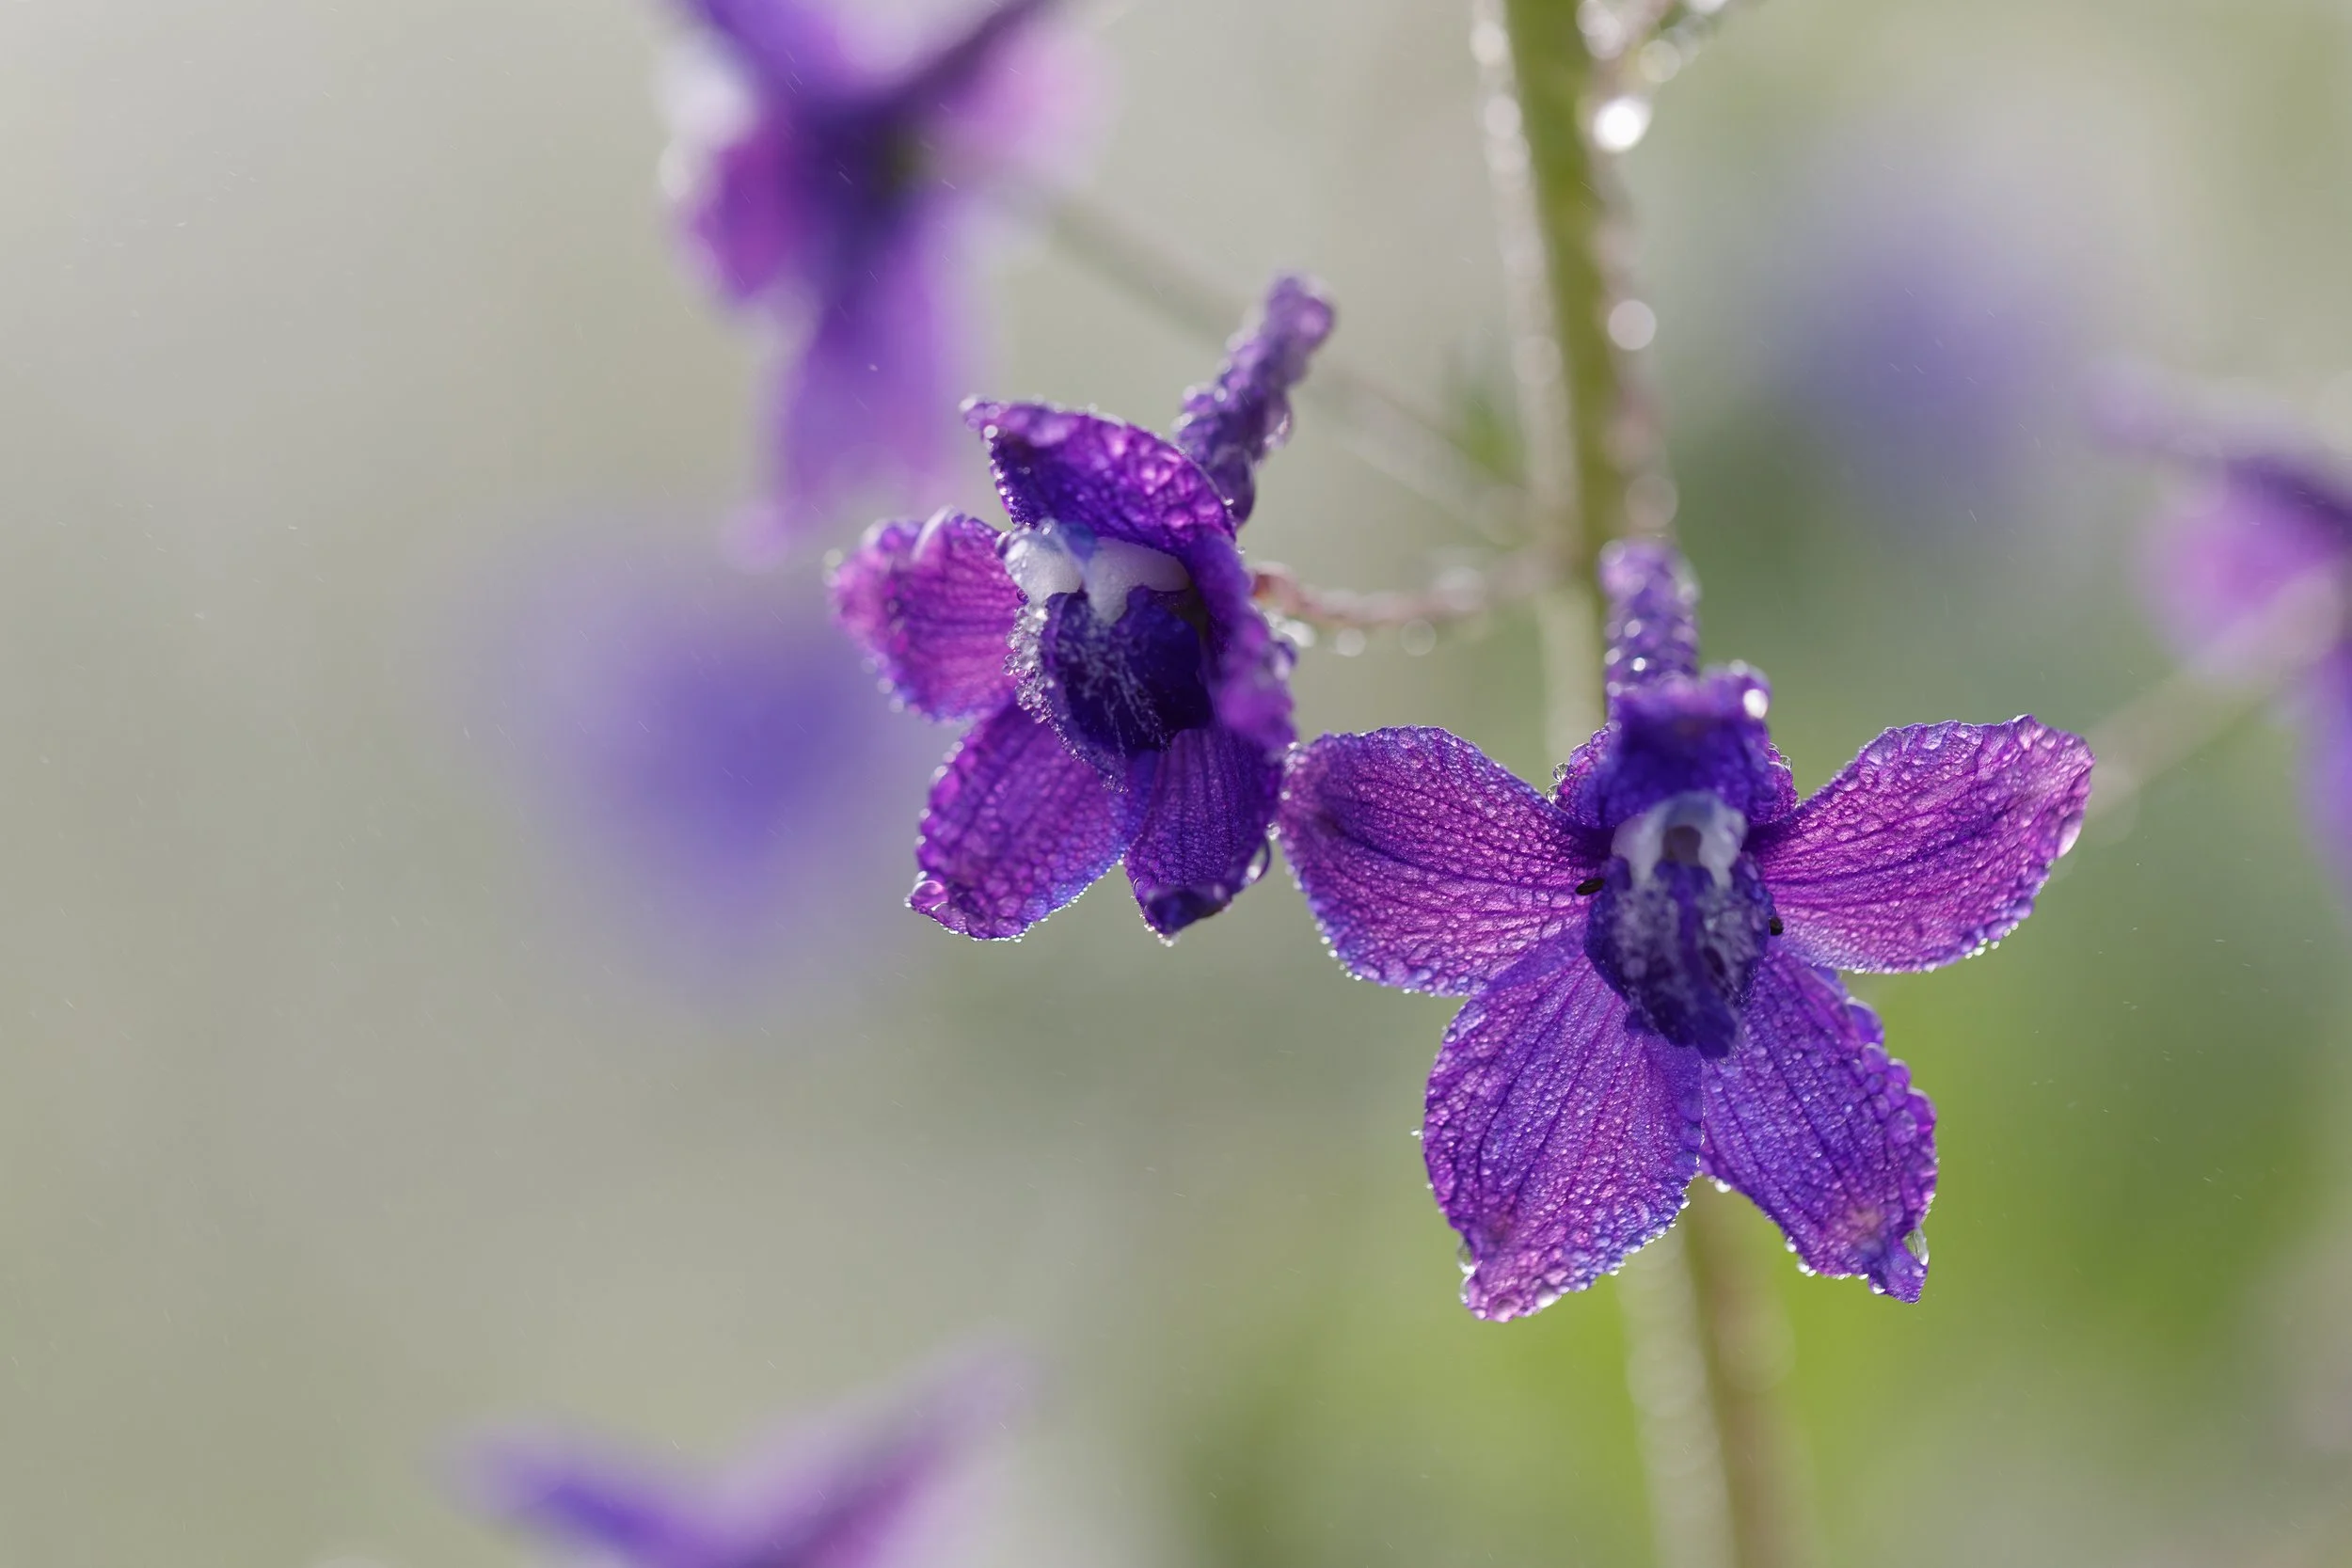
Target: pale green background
x,y
332,1125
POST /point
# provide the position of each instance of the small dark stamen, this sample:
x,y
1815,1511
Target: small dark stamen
x,y
1774,926
1590,885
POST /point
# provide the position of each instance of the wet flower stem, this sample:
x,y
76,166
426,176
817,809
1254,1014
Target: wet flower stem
x,y
1704,1336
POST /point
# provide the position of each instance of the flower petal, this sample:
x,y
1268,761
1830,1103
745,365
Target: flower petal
x,y
1558,1141
585,1497
1814,1123
731,171
2323,705
1931,844
794,45
1675,735
1121,481
2259,528
1231,423
1116,480
933,608
837,1491
952,69
1250,682
1207,804
848,1489
863,408
1017,827
1427,866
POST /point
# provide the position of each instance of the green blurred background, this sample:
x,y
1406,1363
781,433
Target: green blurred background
x,y
334,1120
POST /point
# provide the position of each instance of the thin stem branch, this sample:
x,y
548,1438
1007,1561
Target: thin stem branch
x,y
2205,698
1463,594
1394,435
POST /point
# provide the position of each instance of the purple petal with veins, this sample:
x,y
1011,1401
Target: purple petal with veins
x,y
1814,1123
1558,1139
1017,827
933,607
1205,806
1929,845
1428,867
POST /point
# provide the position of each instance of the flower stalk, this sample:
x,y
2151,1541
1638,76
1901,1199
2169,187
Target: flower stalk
x,y
1713,1434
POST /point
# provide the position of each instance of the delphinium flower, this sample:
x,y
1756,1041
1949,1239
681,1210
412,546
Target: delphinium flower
x,y
1129,700
702,746
850,1492
837,195
2250,568
1650,953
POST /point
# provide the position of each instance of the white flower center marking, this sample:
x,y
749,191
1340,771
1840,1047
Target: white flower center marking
x,y
1693,829
1053,558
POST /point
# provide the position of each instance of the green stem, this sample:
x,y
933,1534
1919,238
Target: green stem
x,y
1615,446
1713,1437
1746,1340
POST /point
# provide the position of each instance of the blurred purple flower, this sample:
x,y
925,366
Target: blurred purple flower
x,y
1925,343
2248,571
1650,955
838,195
1131,702
708,744
850,1493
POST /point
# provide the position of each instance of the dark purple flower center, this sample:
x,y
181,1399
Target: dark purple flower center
x,y
879,156
1681,919
1112,651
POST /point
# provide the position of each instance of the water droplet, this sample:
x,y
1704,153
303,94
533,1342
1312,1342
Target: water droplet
x,y
1621,123
1632,326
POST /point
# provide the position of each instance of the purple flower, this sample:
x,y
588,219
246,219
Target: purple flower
x,y
702,744
2241,569
837,195
848,1494
1130,701
1650,953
